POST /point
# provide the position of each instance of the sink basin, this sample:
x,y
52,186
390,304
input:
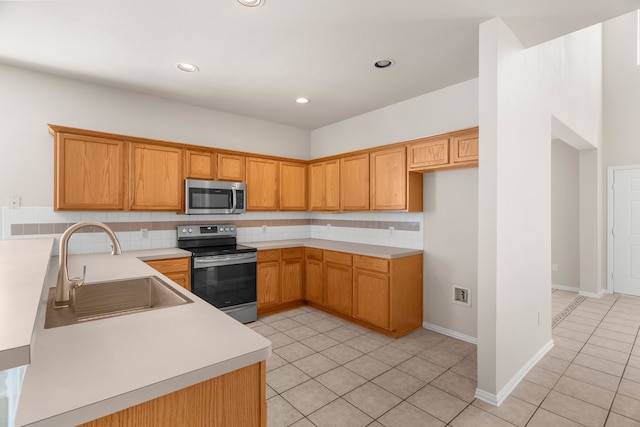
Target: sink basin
x,y
114,298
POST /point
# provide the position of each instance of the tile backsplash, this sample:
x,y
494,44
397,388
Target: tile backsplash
x,y
386,229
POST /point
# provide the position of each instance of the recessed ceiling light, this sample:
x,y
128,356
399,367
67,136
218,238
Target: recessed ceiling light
x,y
251,3
189,68
302,100
383,63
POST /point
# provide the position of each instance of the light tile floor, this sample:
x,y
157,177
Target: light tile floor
x,y
327,372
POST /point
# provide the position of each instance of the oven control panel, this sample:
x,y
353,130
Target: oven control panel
x,y
213,230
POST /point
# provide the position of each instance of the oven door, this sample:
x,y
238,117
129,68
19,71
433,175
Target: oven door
x,y
225,281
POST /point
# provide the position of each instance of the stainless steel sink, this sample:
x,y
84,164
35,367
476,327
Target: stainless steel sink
x,y
114,298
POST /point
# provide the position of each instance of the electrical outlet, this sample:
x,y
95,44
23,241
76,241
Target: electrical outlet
x,y
264,229
391,230
14,202
328,228
144,233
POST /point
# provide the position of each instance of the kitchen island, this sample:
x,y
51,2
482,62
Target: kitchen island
x,y
86,371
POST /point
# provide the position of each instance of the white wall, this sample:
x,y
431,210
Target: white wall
x,y
451,249
565,215
30,100
450,216
521,90
445,110
621,92
621,100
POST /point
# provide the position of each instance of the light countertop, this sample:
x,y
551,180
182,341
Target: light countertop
x,y
85,371
332,245
23,267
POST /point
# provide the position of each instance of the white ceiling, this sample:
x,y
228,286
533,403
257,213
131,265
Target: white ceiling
x,y
256,61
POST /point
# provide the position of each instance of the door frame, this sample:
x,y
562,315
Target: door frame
x,y
611,170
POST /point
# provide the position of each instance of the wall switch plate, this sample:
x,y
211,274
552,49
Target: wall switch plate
x,y
144,233
264,228
554,267
461,296
391,230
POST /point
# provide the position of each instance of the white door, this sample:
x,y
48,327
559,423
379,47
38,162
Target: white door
x,y
626,231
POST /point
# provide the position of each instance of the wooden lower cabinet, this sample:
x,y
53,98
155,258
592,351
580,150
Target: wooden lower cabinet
x,y
388,293
280,279
268,279
237,398
338,282
176,269
314,276
292,274
379,293
372,294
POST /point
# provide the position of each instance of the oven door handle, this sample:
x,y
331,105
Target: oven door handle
x,y
222,261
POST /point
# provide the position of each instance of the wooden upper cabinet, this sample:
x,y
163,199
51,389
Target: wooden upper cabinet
x,y
200,164
156,179
90,173
293,186
324,186
464,148
354,183
262,184
389,179
230,167
428,153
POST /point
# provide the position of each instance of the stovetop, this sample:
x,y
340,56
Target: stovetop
x,y
220,250
210,239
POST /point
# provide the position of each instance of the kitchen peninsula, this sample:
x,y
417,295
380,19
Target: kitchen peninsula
x,y
167,356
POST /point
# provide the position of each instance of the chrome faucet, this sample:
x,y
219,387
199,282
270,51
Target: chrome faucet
x,y
64,285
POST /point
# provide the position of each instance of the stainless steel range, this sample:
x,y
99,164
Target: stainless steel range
x,y
223,273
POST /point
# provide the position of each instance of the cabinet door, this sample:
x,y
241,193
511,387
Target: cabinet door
x,y
156,178
372,297
176,269
464,148
292,277
354,183
313,281
200,164
332,185
293,186
268,283
89,173
316,186
389,179
324,186
262,184
230,167
338,284
428,154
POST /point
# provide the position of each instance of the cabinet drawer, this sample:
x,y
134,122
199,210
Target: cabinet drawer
x,y
313,253
369,263
172,265
269,255
292,253
337,257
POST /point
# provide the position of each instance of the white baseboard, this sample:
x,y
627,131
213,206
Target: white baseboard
x,y
594,294
450,333
565,288
497,399
581,293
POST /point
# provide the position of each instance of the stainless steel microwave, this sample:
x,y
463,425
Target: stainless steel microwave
x,y
214,197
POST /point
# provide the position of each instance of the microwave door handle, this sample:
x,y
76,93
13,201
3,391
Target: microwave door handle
x,y
235,200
